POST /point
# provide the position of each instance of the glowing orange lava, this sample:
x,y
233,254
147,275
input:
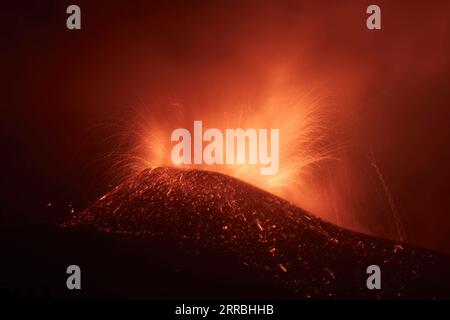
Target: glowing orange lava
x,y
305,144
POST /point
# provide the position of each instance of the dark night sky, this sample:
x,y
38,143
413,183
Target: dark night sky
x,y
61,89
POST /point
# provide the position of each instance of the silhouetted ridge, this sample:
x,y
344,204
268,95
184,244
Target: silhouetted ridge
x,y
311,257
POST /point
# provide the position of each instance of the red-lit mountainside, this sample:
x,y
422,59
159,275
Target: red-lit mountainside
x,y
310,257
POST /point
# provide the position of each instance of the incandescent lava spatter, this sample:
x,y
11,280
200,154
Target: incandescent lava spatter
x,y
308,256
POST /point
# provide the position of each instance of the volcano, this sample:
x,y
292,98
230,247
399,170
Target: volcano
x,y
222,221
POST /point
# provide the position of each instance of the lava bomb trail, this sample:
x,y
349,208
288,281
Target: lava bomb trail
x,y
306,255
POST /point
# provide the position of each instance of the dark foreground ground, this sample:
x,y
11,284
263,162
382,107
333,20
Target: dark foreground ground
x,y
181,234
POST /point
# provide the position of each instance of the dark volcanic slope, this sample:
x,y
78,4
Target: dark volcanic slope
x,y
274,238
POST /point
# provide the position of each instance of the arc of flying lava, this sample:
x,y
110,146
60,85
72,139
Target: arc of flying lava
x,y
304,141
